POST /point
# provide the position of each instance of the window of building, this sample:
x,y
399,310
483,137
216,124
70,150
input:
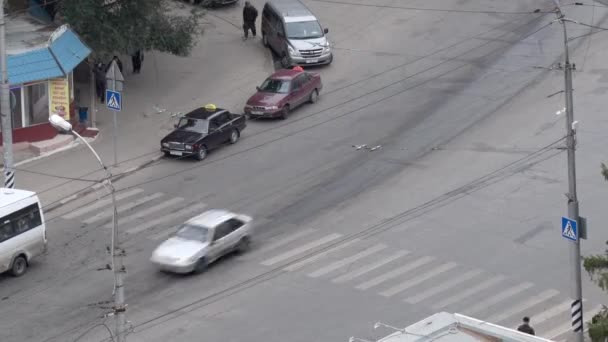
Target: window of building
x,y
36,102
16,107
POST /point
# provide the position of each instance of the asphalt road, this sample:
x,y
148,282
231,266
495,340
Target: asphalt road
x,y
454,210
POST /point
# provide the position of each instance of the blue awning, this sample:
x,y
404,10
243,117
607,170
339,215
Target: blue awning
x,y
69,50
57,59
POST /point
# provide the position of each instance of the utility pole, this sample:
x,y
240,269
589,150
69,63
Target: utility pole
x,y
5,108
93,90
576,309
115,76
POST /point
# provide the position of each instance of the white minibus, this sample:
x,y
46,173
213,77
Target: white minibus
x,y
22,230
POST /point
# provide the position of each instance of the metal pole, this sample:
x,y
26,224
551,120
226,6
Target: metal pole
x,y
575,246
114,134
93,96
117,255
5,108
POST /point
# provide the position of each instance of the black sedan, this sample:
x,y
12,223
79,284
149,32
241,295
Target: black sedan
x,y
202,130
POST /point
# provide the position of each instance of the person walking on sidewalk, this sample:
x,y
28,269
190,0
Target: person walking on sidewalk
x,y
100,81
525,327
137,58
250,14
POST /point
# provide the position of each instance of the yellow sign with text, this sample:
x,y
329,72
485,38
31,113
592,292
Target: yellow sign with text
x,y
59,97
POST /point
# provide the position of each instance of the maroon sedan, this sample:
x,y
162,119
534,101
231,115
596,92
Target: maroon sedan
x,y
282,92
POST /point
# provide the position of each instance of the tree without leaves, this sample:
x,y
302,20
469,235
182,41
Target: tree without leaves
x,y
124,26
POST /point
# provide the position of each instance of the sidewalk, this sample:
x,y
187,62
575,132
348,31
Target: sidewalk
x,y
167,86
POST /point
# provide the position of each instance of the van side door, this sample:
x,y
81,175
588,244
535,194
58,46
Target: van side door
x,y
280,40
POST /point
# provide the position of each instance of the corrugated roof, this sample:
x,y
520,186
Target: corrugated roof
x,y
32,66
69,50
58,57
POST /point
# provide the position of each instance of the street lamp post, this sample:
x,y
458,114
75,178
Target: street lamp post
x,y
119,299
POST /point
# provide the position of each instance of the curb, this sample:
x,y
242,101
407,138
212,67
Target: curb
x,y
69,146
98,186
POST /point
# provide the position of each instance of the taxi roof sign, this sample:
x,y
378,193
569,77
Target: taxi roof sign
x,y
210,107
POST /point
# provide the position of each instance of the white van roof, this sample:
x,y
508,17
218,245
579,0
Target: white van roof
x,y
10,196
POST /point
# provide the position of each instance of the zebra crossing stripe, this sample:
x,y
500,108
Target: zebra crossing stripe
x,y
566,328
319,256
576,310
368,268
341,263
100,204
468,292
443,287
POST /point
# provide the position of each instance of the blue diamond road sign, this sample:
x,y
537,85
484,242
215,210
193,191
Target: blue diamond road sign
x,y
569,229
113,100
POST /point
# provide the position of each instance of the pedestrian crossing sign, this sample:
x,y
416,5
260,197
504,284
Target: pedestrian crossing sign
x,y
113,100
569,229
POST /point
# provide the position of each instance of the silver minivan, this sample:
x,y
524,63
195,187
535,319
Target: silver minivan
x,y
293,32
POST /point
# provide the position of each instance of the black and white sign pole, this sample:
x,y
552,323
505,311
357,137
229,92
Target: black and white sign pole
x,y
5,108
573,214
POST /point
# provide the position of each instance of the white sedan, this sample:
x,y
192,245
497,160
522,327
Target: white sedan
x,y
202,240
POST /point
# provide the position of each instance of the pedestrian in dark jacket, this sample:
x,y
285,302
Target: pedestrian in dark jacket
x,y
118,62
250,14
137,58
100,81
525,327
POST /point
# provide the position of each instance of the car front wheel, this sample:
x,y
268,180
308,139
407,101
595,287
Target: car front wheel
x,y
202,153
284,112
201,265
243,245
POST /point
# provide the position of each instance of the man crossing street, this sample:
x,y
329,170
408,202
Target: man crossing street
x,y
250,14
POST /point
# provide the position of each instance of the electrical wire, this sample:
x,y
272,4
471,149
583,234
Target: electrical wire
x,y
429,9
56,176
322,122
155,319
326,109
382,226
93,327
291,122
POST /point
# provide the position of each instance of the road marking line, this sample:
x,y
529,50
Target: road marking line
x,y
567,327
469,292
394,273
166,218
301,249
275,244
341,263
368,268
415,281
443,287
164,233
315,258
510,292
564,307
522,306
108,213
101,203
146,212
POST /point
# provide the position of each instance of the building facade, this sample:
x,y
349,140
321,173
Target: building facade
x,y
40,71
